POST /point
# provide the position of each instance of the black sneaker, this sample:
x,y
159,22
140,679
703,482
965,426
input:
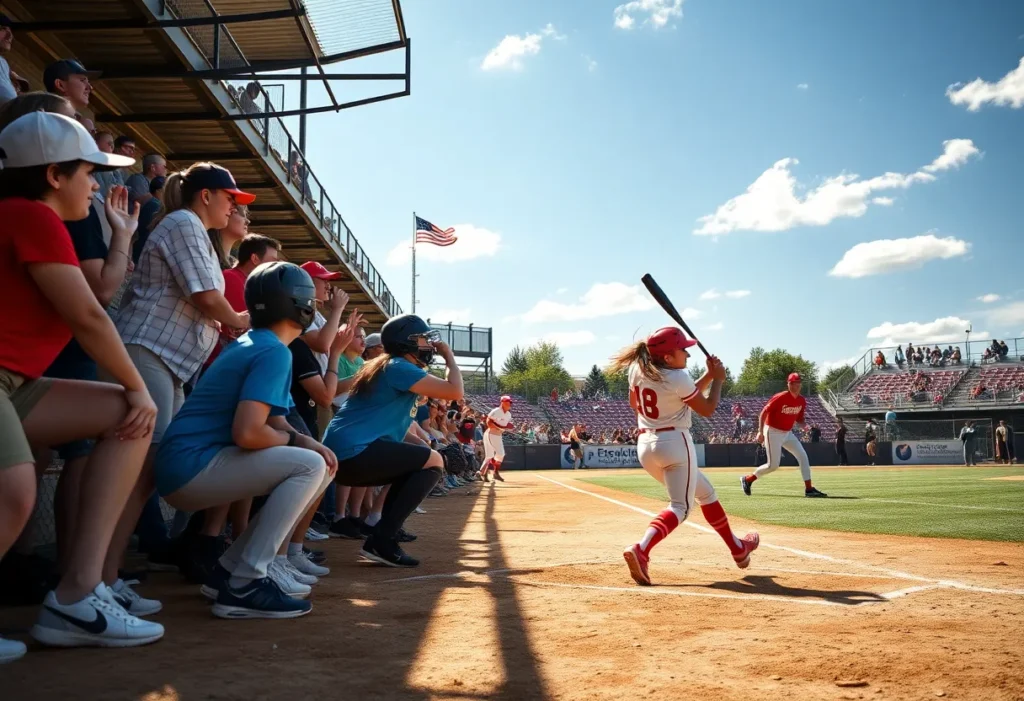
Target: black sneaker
x,y
746,485
404,536
261,598
386,553
163,559
320,522
217,580
347,528
814,493
365,530
200,556
317,557
498,477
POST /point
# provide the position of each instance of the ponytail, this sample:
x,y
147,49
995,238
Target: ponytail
x,y
178,194
368,373
637,353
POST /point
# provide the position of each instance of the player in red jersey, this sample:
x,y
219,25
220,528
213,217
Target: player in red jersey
x,y
775,429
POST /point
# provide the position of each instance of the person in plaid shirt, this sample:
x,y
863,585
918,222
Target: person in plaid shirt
x,y
170,316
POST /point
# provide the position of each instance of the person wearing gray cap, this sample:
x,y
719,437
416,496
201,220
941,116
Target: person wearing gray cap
x,y
374,347
70,79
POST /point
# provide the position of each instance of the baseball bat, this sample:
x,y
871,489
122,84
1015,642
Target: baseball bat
x,y
661,298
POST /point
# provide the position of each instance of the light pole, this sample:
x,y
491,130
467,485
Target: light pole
x,y
968,332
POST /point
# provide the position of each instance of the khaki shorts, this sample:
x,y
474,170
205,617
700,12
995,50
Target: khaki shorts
x,y
17,399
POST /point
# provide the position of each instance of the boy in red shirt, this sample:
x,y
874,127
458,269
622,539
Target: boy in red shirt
x,y
775,429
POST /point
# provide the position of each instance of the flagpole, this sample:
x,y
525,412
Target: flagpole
x,y
414,262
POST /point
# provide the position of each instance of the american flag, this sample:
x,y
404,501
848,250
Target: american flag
x,y
428,233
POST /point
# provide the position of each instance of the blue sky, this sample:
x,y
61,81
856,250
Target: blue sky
x,y
577,145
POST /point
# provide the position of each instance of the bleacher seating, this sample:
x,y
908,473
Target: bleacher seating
x,y
522,410
598,414
1001,383
881,388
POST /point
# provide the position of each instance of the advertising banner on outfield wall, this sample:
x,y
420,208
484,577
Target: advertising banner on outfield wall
x,y
928,453
613,456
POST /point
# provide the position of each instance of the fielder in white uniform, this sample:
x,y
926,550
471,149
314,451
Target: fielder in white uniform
x,y
663,395
499,420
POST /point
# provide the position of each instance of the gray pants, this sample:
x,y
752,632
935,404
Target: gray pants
x,y
969,453
292,477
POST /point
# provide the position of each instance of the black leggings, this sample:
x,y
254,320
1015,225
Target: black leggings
x,y
398,464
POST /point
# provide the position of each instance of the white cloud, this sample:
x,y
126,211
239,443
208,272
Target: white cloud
x,y
1008,91
602,299
1006,315
510,51
550,31
562,339
591,63
802,86
989,298
473,242
561,290
882,201
731,294
659,12
772,202
717,326
450,316
891,255
691,313
825,366
946,329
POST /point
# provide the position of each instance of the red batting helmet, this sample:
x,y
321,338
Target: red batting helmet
x,y
668,340
506,398
794,377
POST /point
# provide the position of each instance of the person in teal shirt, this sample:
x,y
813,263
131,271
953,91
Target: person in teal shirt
x,y
230,441
370,433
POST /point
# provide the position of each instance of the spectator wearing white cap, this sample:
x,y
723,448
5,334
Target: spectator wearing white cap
x,y
46,179
373,347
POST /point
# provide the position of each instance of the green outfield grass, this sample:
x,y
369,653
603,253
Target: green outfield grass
x,y
936,503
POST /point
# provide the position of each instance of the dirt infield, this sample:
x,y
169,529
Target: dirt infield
x,y
523,595
1011,478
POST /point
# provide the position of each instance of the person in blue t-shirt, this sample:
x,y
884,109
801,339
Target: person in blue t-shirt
x,y
231,441
370,433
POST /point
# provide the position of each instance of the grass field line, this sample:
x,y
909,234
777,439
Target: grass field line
x,y
504,570
896,574
909,590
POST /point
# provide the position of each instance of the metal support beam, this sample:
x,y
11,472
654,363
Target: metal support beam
x,y
226,157
303,105
144,23
217,116
122,72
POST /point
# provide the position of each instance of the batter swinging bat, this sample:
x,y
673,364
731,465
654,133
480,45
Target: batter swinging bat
x,y
661,298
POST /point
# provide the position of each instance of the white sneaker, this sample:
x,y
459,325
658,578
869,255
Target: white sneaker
x,y
306,566
279,574
11,650
131,601
419,510
314,535
97,620
300,577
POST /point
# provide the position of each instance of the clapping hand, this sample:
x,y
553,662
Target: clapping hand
x,y
123,219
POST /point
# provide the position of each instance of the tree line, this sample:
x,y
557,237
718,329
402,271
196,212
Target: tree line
x,y
535,371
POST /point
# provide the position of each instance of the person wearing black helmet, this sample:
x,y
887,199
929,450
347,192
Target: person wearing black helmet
x,y
231,441
368,434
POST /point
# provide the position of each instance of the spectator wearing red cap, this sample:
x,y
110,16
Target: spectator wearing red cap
x,y
499,420
321,333
775,429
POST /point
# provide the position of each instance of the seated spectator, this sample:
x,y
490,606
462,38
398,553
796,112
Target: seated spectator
x,y
956,355
69,79
369,432
153,166
1004,350
231,441
8,90
147,214
45,180
880,360
918,357
987,355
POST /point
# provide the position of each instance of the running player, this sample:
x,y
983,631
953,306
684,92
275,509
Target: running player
x,y
662,394
498,421
775,429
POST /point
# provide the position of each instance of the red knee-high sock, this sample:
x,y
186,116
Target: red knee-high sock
x,y
716,518
496,465
663,524
807,484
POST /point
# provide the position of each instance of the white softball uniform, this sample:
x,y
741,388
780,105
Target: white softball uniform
x,y
665,448
774,441
494,447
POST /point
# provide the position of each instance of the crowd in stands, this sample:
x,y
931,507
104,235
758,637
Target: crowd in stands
x,y
221,379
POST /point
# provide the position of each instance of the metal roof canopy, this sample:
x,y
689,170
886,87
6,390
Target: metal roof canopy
x,y
159,59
